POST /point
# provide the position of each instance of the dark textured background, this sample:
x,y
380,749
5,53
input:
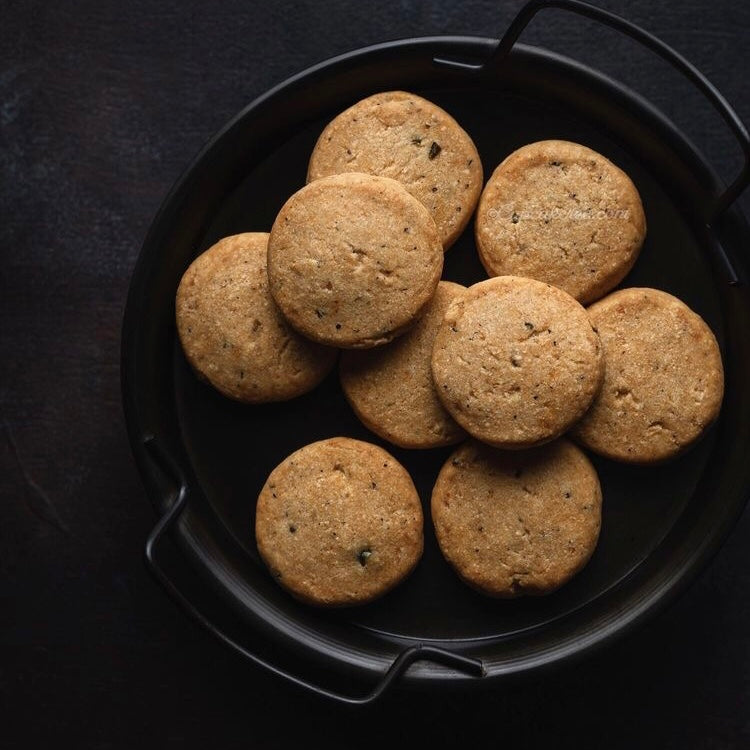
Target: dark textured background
x,y
102,105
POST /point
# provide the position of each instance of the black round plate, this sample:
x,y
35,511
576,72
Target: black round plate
x,y
660,524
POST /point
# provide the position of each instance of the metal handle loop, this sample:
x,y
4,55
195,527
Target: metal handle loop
x,y
730,117
397,667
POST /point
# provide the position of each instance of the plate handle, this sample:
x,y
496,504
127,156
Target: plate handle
x,y
397,668
729,196
725,199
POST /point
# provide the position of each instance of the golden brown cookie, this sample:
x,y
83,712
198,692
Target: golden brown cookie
x,y
561,213
514,523
339,522
232,333
353,260
391,390
516,361
403,136
663,377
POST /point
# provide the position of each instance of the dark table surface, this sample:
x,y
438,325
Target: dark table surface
x,y
102,105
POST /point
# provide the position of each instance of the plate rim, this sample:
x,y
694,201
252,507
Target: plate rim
x,y
659,597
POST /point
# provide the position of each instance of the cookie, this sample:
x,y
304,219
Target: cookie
x,y
663,378
339,522
391,390
515,523
516,361
232,333
403,136
561,213
353,260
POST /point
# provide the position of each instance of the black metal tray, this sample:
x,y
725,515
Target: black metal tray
x,y
203,458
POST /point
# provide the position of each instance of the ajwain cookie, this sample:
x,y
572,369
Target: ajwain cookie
x,y
561,213
339,522
403,136
391,390
515,523
516,361
663,377
353,260
232,333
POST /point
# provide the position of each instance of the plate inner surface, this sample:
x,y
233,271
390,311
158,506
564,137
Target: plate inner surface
x,y
233,447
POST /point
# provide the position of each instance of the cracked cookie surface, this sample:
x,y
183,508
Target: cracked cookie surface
x,y
232,333
403,136
663,381
353,260
516,361
561,213
339,523
516,523
391,388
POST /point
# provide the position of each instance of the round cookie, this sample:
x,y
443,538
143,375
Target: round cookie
x,y
353,260
516,361
391,389
232,333
515,523
403,136
663,377
339,522
561,213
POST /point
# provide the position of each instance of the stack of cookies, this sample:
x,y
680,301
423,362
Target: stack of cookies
x,y
507,367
